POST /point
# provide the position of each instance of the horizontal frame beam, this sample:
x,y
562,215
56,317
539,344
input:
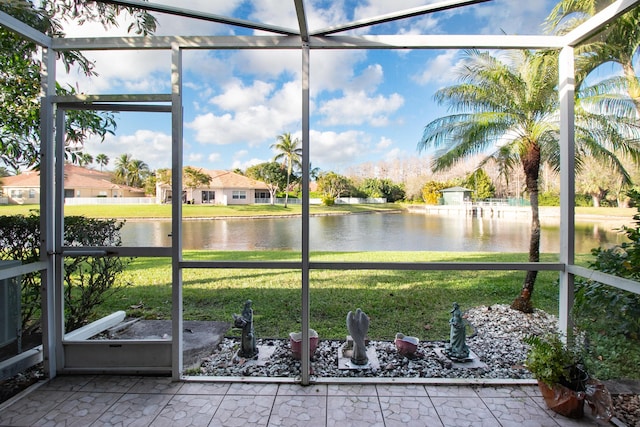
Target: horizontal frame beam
x,y
411,266
315,42
25,30
599,21
607,279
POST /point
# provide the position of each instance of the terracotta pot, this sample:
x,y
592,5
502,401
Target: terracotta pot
x,y
563,400
406,346
295,340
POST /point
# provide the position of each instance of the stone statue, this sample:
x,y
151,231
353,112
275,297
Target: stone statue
x,y
457,348
248,346
358,326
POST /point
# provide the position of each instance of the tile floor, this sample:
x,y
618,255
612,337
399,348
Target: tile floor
x,y
158,401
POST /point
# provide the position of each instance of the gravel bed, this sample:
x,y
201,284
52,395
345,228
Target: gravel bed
x,y
496,342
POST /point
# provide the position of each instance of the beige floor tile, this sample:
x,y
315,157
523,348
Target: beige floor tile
x,y
450,391
204,388
409,411
110,384
463,412
134,410
518,411
501,391
28,410
297,390
300,410
188,411
401,390
242,411
68,383
81,409
251,389
354,411
163,385
352,390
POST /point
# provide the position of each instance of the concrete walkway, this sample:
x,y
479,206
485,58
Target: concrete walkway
x,y
158,401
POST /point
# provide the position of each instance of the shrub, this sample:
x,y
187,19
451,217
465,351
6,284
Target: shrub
x,y
610,317
88,279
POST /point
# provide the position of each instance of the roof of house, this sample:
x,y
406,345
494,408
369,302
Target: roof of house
x,y
74,177
455,190
228,179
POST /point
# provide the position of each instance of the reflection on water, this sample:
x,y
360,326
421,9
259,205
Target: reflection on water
x,y
372,232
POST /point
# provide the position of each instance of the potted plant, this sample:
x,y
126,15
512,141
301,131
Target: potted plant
x,y
560,375
295,340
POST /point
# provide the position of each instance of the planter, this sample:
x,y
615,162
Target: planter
x,y
406,346
563,400
295,340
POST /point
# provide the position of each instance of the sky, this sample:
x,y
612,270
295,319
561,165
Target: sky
x,y
366,105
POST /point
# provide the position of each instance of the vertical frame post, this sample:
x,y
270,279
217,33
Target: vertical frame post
x,y
176,210
50,339
304,366
566,72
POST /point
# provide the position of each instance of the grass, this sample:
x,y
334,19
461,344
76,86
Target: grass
x,y
198,211
412,302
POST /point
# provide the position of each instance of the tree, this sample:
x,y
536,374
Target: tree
x,y
481,184
85,159
138,171
432,192
290,153
513,102
618,43
382,188
332,186
102,160
20,77
123,168
272,174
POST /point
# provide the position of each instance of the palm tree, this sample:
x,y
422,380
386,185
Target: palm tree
x,y
510,108
290,153
123,168
85,159
138,171
618,43
102,160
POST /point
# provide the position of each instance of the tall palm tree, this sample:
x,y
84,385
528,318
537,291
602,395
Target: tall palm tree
x,y
290,152
618,43
102,160
510,107
123,168
138,171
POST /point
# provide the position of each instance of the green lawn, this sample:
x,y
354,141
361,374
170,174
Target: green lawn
x,y
412,302
198,211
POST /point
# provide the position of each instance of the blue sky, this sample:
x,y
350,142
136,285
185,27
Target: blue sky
x,y
366,106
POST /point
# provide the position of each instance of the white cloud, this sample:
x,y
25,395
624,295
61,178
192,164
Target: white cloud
x,y
358,108
237,96
513,17
214,157
332,148
384,143
438,70
153,148
251,121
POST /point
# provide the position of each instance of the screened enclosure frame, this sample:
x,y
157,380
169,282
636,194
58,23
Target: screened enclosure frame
x,y
58,350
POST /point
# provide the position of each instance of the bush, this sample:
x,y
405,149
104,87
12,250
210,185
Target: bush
x,y
88,279
609,317
328,200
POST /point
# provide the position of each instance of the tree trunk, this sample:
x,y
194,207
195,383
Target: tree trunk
x,y
531,165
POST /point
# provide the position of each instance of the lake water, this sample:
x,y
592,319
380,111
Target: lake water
x,y
368,232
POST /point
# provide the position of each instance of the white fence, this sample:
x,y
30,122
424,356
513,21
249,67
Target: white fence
x,y
73,201
339,201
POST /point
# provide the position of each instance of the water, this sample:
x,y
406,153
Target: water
x,y
374,232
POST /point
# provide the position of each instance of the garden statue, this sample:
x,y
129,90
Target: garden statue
x,y
248,346
457,348
358,326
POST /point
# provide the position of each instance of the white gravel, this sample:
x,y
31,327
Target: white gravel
x,y
497,342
